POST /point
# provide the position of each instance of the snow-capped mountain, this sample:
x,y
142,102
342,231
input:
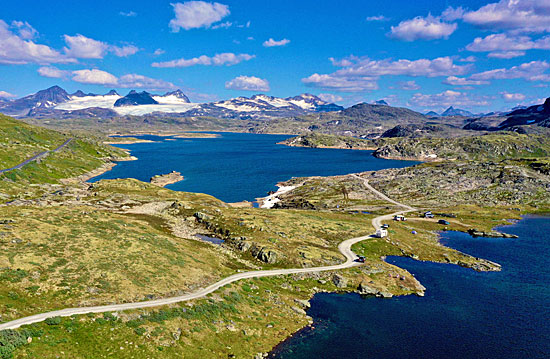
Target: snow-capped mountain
x,y
56,102
48,98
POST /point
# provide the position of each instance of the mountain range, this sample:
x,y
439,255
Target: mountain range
x,y
55,102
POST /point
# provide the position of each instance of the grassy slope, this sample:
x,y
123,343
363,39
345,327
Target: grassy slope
x,y
20,141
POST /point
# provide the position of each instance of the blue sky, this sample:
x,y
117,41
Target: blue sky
x,y
477,55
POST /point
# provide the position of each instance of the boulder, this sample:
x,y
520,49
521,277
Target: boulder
x,y
339,281
365,289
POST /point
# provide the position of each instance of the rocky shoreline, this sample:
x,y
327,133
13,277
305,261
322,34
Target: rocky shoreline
x,y
166,179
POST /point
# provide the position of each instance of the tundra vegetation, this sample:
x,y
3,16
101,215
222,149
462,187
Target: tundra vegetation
x,y
68,243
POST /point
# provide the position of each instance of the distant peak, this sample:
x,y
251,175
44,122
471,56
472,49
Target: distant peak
x,y
111,93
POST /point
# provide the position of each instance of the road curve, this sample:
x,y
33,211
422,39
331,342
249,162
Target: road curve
x,y
35,157
344,248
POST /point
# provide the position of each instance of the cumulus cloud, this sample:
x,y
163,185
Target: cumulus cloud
x,y
100,77
227,59
328,97
530,71
4,94
420,28
505,54
377,18
506,44
95,77
159,52
17,49
512,15
362,73
272,43
124,51
441,66
409,85
337,83
52,72
248,83
197,14
82,47
143,82
25,30
512,97
460,81
452,14
446,99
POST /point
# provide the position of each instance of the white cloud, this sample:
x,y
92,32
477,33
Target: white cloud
x,y
4,94
100,77
505,54
248,83
468,59
530,71
271,42
362,73
143,82
25,30
17,50
513,15
446,99
227,59
223,25
52,72
328,97
460,81
80,46
377,18
94,76
124,51
336,83
420,28
128,13
159,52
409,85
504,42
452,14
512,97
197,14
441,66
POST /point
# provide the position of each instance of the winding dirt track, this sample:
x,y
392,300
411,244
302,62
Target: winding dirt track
x,y
344,248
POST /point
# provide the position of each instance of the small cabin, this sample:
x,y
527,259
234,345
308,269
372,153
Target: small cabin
x,y
381,233
399,217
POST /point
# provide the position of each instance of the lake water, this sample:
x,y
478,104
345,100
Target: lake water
x,y
464,314
239,166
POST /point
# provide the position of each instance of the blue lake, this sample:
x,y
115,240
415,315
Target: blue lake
x,y
239,166
464,314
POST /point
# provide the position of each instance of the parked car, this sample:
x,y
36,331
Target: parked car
x,y
360,259
442,221
385,226
428,214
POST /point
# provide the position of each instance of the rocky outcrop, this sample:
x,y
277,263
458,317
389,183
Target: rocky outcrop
x,y
264,254
339,281
493,234
294,203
